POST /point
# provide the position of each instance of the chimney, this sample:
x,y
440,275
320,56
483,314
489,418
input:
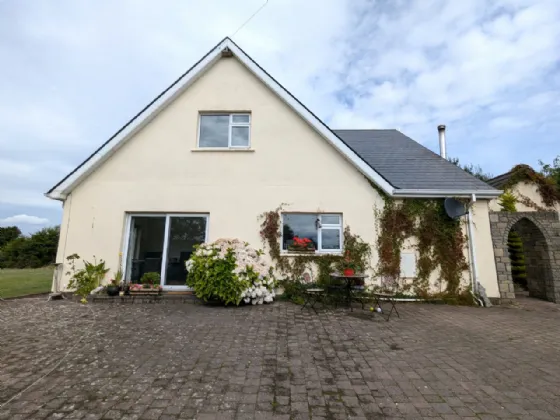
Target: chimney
x,y
442,148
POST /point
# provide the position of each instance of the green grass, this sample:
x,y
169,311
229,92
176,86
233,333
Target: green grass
x,y
25,281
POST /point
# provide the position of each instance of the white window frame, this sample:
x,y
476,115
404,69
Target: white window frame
x,y
230,129
168,216
329,226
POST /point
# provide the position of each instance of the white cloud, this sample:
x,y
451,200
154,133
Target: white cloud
x,y
24,219
79,70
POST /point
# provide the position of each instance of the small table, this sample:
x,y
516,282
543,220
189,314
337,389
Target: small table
x,y
350,282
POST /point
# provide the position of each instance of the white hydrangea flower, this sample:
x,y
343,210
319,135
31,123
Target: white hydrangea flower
x,y
248,260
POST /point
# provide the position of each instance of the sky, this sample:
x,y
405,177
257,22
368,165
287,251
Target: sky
x,y
73,72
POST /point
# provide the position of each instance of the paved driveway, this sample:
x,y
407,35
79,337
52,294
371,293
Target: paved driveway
x,y
188,361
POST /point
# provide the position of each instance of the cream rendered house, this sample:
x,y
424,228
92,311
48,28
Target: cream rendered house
x,y
225,143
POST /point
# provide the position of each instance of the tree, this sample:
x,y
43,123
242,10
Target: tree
x,y
8,234
33,251
507,201
475,171
552,171
517,258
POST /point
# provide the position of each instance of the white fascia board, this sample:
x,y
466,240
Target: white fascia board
x,y
415,193
62,190
56,194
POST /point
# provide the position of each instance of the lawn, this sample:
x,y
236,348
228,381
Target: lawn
x,y
26,281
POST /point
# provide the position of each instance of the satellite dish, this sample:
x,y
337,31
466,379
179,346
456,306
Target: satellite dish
x,y
454,208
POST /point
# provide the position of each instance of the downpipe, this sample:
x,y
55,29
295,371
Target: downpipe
x,y
472,251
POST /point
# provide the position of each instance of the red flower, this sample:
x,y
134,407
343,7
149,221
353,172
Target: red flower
x,y
301,242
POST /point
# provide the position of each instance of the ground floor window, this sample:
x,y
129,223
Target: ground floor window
x,y
162,243
321,232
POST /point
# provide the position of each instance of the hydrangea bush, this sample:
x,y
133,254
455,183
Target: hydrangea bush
x,y
230,271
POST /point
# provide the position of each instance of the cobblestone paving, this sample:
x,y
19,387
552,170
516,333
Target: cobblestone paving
x,y
190,361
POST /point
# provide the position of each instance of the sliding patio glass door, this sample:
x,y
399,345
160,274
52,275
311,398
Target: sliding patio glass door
x,y
162,243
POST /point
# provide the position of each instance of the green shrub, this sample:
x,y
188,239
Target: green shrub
x,y
229,271
150,279
517,258
37,250
86,279
294,290
507,201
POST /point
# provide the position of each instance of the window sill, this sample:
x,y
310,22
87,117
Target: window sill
x,y
221,149
309,254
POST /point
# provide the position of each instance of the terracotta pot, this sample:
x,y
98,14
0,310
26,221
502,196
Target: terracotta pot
x,y
348,271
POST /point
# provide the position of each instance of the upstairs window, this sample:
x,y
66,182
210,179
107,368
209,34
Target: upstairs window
x,y
224,130
323,231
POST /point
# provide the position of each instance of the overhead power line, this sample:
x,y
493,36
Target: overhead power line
x,y
250,17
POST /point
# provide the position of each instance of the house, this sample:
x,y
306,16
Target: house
x,y
226,143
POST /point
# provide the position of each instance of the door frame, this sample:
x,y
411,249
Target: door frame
x,y
168,216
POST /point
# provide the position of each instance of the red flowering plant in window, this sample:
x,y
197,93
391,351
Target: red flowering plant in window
x,y
301,244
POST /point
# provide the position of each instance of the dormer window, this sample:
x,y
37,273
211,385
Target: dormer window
x,y
224,130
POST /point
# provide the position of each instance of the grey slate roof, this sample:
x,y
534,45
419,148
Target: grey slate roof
x,y
406,164
500,180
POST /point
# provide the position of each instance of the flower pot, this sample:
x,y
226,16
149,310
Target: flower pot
x,y
112,290
301,249
145,291
348,271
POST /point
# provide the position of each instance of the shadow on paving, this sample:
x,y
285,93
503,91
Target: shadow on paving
x,y
170,361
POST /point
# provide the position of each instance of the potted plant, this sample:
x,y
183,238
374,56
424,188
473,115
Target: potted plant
x,y
86,279
301,245
113,287
150,285
142,289
348,265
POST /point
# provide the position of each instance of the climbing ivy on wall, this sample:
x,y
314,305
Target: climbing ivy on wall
x,y
440,242
293,267
546,186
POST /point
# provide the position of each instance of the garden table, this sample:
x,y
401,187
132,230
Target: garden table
x,y
352,283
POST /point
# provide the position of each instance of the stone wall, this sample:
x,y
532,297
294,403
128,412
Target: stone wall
x,y
540,233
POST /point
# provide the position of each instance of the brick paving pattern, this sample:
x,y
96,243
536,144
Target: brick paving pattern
x,y
172,361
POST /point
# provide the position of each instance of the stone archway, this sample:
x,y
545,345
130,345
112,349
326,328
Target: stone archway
x,y
540,234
